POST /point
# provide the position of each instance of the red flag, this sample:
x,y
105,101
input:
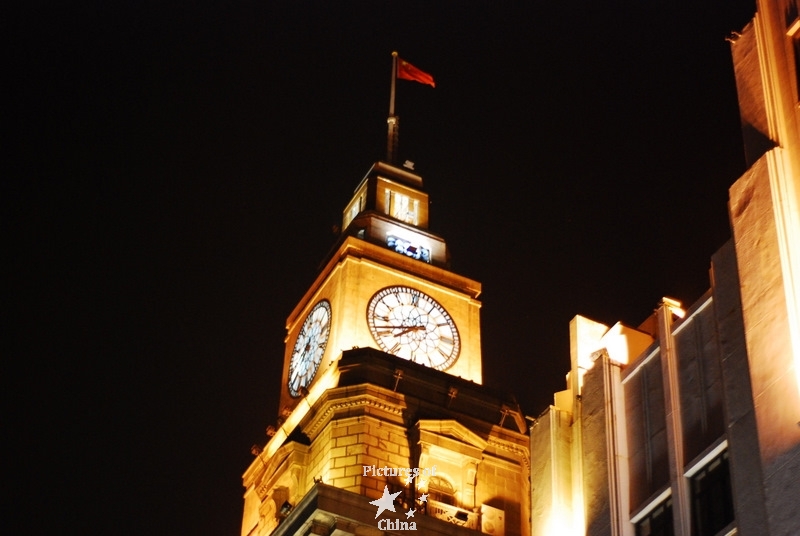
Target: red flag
x,y
406,71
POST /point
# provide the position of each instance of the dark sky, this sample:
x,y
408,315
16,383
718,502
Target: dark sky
x,y
176,169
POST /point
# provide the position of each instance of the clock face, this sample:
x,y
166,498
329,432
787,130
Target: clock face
x,y
412,325
309,347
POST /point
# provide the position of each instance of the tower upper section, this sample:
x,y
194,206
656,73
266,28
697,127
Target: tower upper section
x,y
390,208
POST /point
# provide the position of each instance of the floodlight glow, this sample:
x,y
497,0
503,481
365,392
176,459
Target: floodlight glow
x,y
674,307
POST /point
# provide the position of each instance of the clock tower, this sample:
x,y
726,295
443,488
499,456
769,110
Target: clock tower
x,y
381,398
387,286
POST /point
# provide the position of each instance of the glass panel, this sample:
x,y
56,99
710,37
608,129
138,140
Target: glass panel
x,y
658,522
712,503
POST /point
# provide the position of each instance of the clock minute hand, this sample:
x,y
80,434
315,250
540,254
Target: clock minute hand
x,y
411,328
389,330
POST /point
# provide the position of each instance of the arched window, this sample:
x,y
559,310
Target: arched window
x,y
441,490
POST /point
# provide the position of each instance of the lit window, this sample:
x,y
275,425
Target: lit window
x,y
355,209
441,490
402,207
712,503
658,522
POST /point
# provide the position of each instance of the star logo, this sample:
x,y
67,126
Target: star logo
x,y
410,513
386,502
423,498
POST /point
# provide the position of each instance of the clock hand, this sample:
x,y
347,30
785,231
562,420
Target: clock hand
x,y
411,328
390,330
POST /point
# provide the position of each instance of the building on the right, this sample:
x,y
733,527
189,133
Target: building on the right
x,y
689,424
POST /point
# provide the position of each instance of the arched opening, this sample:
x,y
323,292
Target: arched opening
x,y
439,489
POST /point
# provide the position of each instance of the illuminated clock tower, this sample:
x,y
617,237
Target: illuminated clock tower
x,y
386,286
382,368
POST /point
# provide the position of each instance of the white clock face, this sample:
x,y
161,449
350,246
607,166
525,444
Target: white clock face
x,y
412,325
309,348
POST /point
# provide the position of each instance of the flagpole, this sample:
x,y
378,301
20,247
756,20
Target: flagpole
x,y
394,82
393,120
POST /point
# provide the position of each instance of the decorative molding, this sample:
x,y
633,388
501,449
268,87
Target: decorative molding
x,y
520,452
327,412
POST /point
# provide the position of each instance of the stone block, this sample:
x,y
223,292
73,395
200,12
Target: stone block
x,y
398,438
368,439
372,483
356,449
343,441
338,431
388,447
373,493
354,470
335,473
344,482
366,459
354,429
344,461
395,460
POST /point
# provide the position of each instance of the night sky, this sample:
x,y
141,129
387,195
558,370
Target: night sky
x,y
176,169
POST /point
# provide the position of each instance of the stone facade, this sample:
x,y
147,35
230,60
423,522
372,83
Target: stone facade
x,y
386,412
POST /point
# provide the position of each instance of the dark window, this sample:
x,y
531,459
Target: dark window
x,y
792,14
712,503
796,43
658,522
